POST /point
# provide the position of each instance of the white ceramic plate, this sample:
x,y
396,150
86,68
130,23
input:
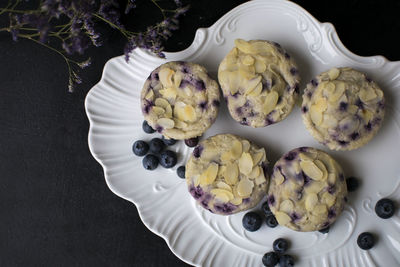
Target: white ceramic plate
x,y
204,239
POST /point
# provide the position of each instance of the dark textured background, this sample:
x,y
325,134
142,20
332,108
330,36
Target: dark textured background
x,y
55,208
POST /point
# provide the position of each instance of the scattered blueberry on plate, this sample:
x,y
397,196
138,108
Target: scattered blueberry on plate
x,y
265,208
385,208
280,245
147,128
192,142
168,142
286,261
271,221
181,171
140,148
365,240
168,159
352,184
270,259
251,221
150,162
156,145
324,230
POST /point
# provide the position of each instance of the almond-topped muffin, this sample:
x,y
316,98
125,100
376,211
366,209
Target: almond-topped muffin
x,y
180,100
307,191
343,109
260,82
226,174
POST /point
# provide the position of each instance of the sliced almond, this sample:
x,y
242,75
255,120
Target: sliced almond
x,y
260,66
286,206
165,75
245,187
209,175
270,102
161,102
231,173
314,187
158,110
257,90
367,115
245,145
255,172
259,156
321,104
328,199
245,163
328,121
316,115
322,167
237,149
223,185
236,201
243,46
169,93
260,179
305,157
311,201
367,94
251,84
339,91
149,95
221,194
248,60
332,178
278,177
282,218
320,209
333,73
168,112
311,170
166,123
179,124
178,79
189,114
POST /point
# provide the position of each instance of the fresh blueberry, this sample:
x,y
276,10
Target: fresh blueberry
x,y
365,240
270,259
192,142
265,208
384,208
156,145
324,230
251,221
168,142
280,245
352,184
147,128
168,159
181,171
271,221
286,261
140,148
150,162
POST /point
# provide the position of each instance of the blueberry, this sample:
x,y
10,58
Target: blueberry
x,y
324,230
168,159
270,259
147,128
384,208
192,142
140,148
365,240
271,221
251,221
265,208
168,142
156,145
150,162
181,171
286,261
352,184
280,245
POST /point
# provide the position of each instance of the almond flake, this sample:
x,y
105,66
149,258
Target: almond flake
x,y
311,201
282,218
248,60
158,110
255,172
236,201
209,175
166,123
286,206
270,102
322,167
177,79
169,93
231,173
257,90
316,116
311,170
245,187
221,194
150,95
245,163
278,177
333,73
165,75
223,185
245,145
161,102
260,66
328,199
320,209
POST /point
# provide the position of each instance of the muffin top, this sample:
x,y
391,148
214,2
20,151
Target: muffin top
x,y
180,100
259,81
307,190
343,109
226,174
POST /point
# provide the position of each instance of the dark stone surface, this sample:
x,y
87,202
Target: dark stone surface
x,y
55,208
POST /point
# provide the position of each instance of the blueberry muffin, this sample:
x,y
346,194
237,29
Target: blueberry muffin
x,y
226,174
343,109
307,190
180,100
259,81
